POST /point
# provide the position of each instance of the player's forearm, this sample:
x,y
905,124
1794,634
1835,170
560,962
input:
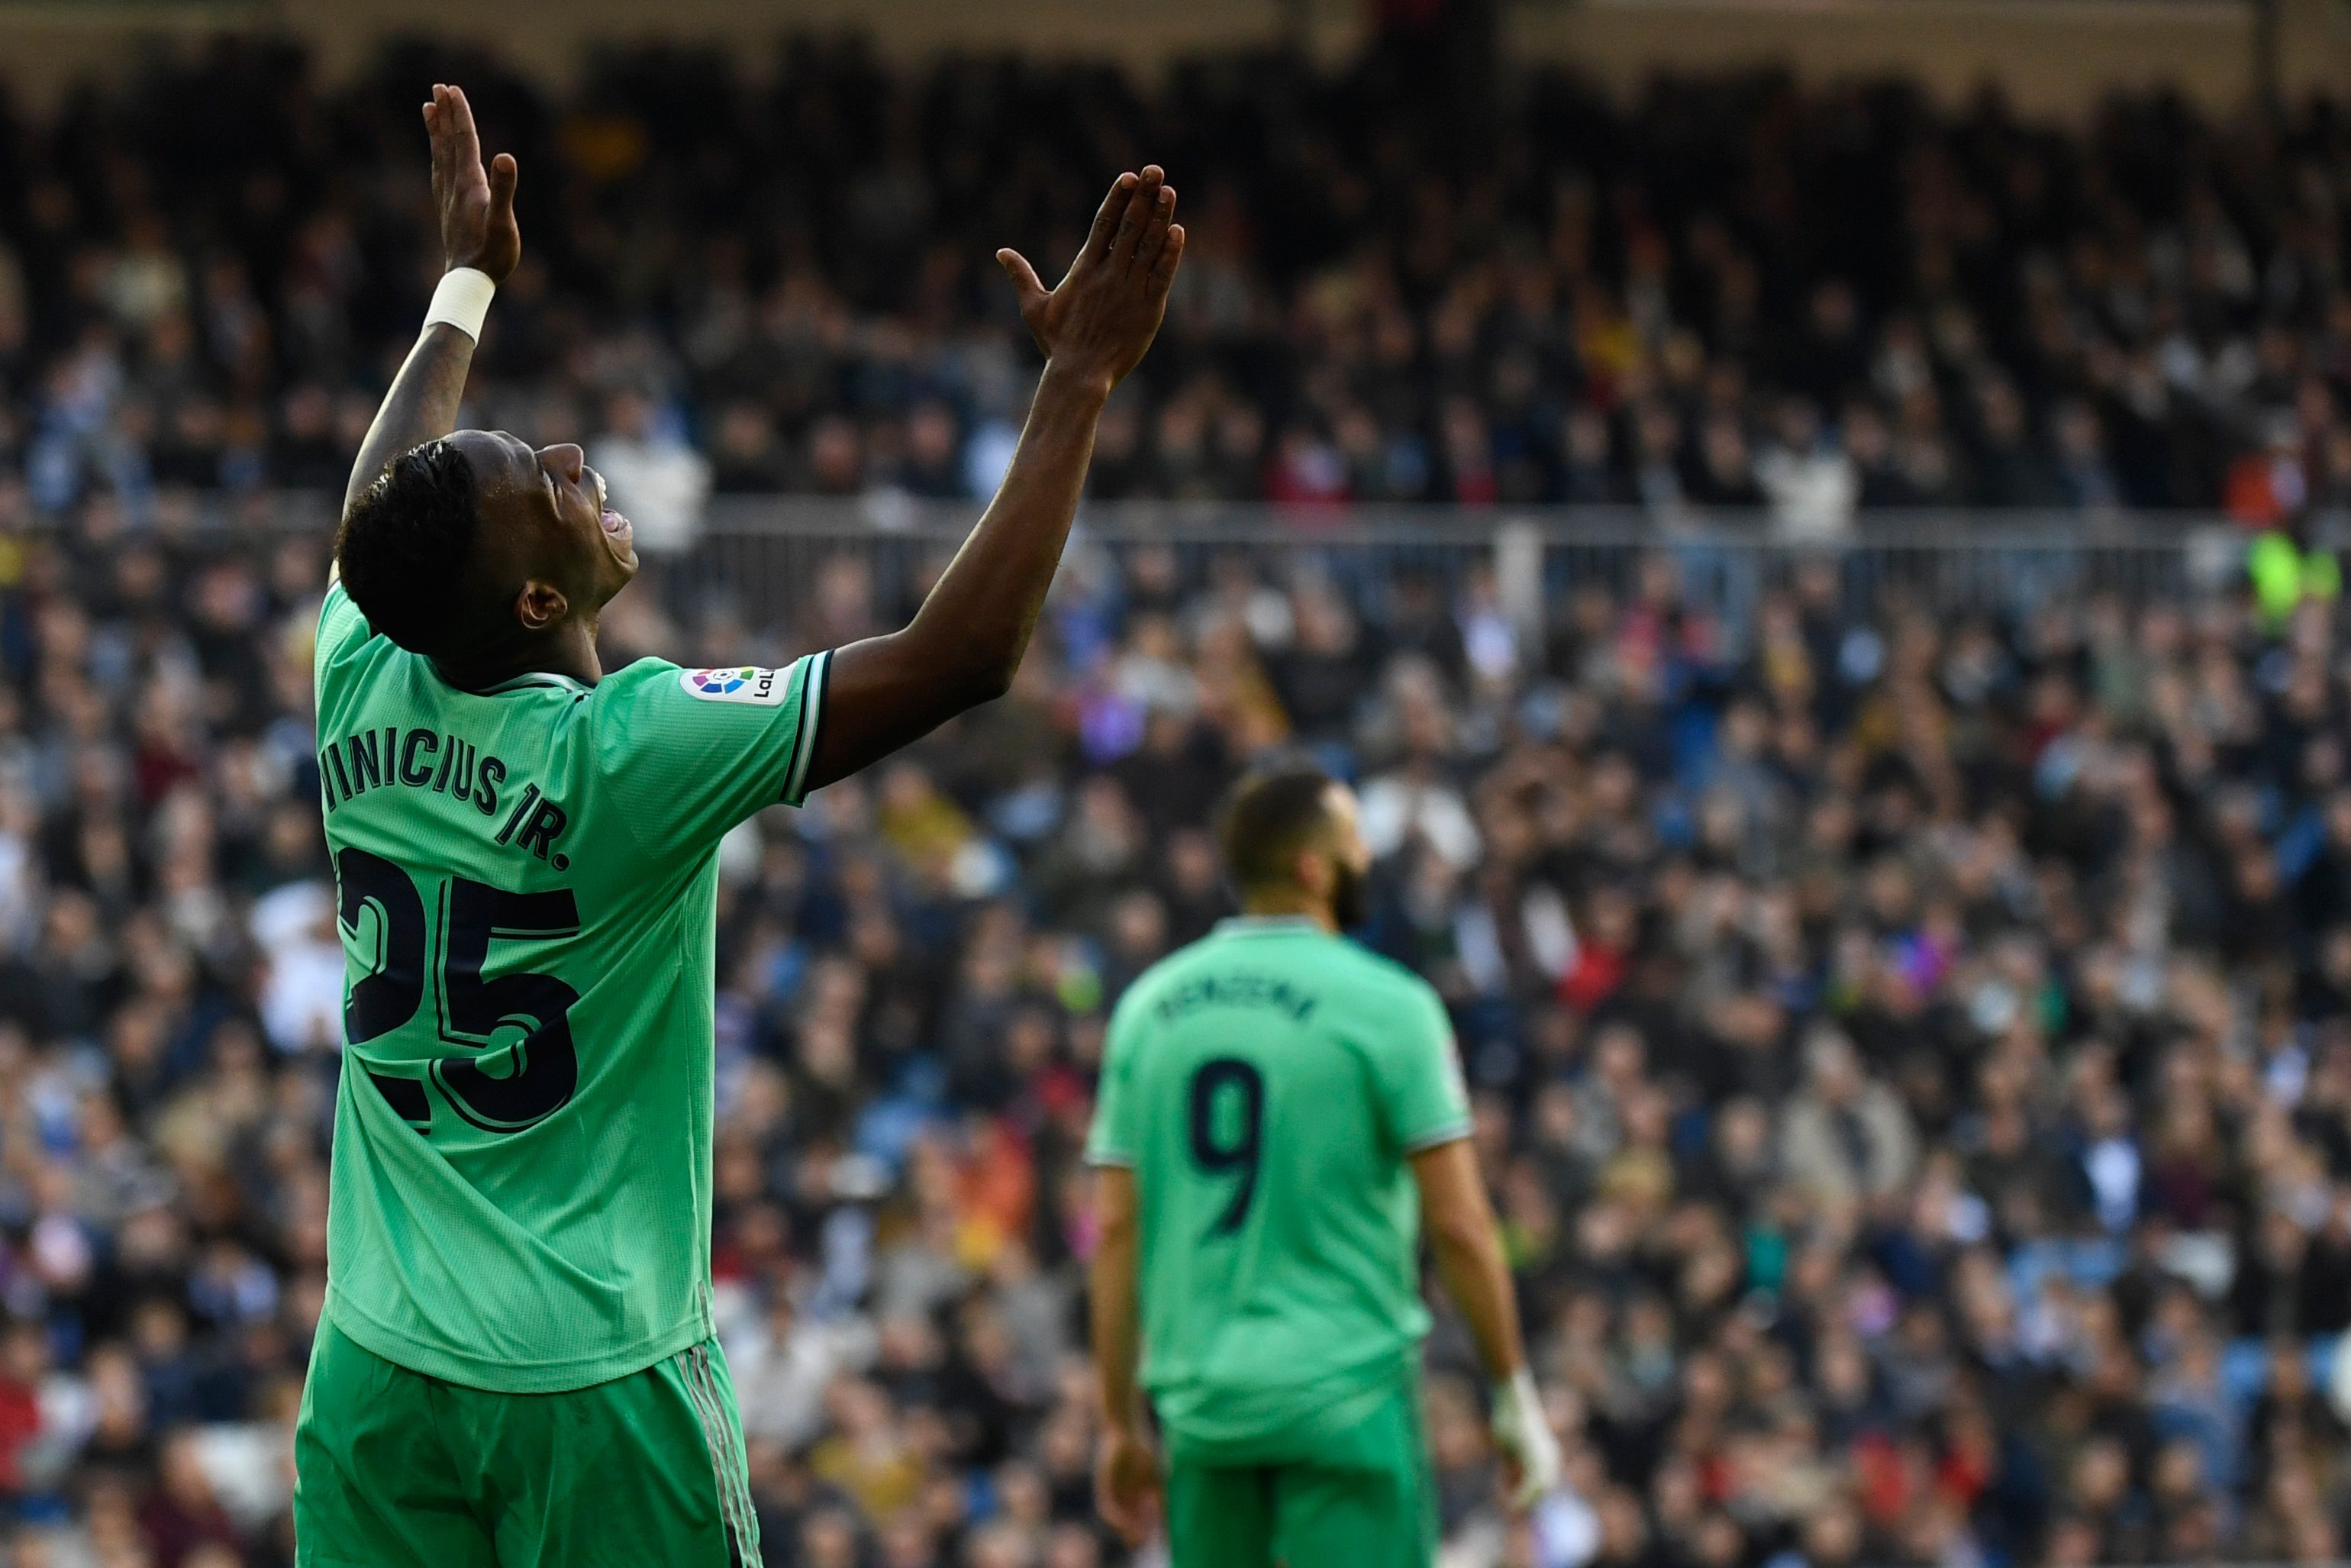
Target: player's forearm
x,y
1117,1339
1469,1259
1459,1219
966,640
423,402
979,616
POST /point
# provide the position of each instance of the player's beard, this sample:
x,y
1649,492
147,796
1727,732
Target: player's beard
x,y
1351,898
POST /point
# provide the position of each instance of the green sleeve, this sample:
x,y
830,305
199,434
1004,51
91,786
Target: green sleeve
x,y
343,633
685,755
1422,1102
1112,1140
342,627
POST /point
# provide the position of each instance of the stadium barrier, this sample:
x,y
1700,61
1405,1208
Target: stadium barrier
x,y
761,558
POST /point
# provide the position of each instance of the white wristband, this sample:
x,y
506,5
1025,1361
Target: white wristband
x,y
1516,1397
1522,1427
461,301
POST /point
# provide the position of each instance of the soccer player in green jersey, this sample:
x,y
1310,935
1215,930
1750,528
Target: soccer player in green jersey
x,y
516,1363
1281,1115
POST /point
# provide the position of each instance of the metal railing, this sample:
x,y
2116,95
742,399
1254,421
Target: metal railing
x,y
768,562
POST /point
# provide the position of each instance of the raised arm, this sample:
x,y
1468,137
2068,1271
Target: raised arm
x,y
965,642
478,232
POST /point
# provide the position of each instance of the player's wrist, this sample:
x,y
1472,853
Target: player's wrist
x,y
461,301
1522,1428
1070,378
1520,1423
1515,1394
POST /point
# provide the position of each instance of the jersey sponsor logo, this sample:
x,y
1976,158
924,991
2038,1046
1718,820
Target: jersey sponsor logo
x,y
741,684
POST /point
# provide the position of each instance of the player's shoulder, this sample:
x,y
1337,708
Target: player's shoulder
x,y
623,711
1154,980
1169,976
642,697
658,683
340,629
632,679
1381,975
670,727
1358,974
351,662
1382,1006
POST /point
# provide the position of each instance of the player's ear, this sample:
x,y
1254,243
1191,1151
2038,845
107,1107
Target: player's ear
x,y
541,605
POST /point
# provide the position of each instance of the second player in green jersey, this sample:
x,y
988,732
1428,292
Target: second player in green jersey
x,y
1279,1108
1269,1085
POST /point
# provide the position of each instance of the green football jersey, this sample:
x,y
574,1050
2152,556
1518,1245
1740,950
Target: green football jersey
x,y
1267,1086
527,882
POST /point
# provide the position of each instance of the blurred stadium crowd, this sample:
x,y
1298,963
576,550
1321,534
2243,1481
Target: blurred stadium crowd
x,y
1729,294
1912,1050
1912,1053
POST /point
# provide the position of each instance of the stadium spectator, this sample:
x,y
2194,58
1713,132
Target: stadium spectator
x,y
1872,1080
1920,308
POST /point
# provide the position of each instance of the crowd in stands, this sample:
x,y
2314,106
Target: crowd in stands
x,y
1911,1051
1911,1046
1729,294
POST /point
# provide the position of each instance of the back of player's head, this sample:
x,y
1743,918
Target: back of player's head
x,y
1269,819
406,544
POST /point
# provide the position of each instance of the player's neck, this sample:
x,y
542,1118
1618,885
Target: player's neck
x,y
570,651
1291,905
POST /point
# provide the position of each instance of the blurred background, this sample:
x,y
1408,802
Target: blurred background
x,y
1813,524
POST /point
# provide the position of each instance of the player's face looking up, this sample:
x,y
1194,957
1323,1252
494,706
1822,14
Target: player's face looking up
x,y
487,556
545,538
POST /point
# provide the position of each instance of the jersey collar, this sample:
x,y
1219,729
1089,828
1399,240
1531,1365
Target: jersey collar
x,y
547,678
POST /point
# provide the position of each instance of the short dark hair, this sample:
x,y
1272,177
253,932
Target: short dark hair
x,y
1269,818
406,544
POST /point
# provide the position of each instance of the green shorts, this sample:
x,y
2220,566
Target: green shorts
x,y
1363,1499
392,1468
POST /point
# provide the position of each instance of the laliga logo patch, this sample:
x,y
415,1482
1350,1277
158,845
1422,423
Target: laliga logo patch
x,y
743,683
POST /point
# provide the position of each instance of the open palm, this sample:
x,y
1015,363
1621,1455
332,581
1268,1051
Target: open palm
x,y
477,217
1100,320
